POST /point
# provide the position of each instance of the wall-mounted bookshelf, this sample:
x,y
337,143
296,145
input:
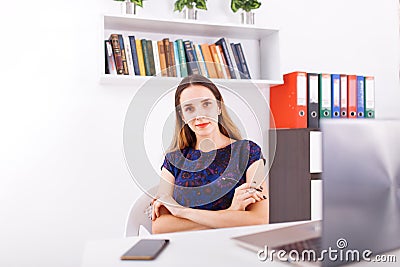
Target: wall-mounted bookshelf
x,y
260,45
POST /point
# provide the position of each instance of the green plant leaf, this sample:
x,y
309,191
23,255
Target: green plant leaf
x,y
201,4
180,4
236,5
255,4
138,2
246,5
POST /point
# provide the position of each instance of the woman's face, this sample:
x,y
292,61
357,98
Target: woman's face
x,y
200,110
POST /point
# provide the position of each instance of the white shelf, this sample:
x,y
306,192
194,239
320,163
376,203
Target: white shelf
x,y
185,27
260,44
137,80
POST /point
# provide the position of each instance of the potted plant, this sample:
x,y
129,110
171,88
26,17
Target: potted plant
x,y
129,6
247,6
188,7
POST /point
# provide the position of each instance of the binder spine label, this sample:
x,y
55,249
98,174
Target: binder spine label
x,y
313,89
301,90
369,94
343,92
326,94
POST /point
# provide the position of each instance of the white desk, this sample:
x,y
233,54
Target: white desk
x,y
195,248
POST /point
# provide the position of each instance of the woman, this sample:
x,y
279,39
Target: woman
x,y
211,178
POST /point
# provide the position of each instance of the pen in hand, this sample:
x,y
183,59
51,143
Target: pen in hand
x,y
260,189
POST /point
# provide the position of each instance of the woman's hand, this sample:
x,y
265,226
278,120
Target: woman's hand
x,y
244,196
169,203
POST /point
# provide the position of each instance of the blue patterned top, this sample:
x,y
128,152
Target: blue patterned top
x,y
207,180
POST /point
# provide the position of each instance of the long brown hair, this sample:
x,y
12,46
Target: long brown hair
x,y
183,135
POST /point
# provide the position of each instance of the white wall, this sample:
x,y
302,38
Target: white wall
x,y
63,176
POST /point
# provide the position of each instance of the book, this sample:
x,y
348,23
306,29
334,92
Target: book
x,y
129,55
139,51
182,58
123,54
161,54
151,57
217,63
242,60
146,57
132,42
177,62
109,62
117,53
238,64
156,55
228,54
106,69
172,57
205,49
225,69
200,60
191,58
168,58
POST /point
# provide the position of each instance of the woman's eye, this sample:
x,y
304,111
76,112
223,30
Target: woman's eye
x,y
206,104
188,109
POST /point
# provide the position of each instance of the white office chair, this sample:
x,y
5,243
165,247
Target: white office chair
x,y
139,217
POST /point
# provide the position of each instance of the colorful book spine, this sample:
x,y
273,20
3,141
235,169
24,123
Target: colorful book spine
x,y
172,57
200,58
132,42
168,58
243,62
182,58
139,51
205,49
110,63
106,69
117,53
217,63
192,64
146,57
156,54
177,62
225,69
129,55
224,44
163,64
238,64
123,54
151,57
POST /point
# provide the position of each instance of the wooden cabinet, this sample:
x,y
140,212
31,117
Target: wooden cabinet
x,y
290,175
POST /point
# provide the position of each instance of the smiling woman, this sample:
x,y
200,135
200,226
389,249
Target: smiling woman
x,y
210,177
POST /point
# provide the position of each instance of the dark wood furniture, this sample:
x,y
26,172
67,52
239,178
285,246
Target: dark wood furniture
x,y
289,176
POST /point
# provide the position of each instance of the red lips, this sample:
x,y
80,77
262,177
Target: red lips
x,y
202,125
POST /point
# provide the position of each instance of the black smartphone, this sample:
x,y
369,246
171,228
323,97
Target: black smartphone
x,y
145,249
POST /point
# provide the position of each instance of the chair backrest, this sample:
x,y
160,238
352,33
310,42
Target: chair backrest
x,y
140,214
